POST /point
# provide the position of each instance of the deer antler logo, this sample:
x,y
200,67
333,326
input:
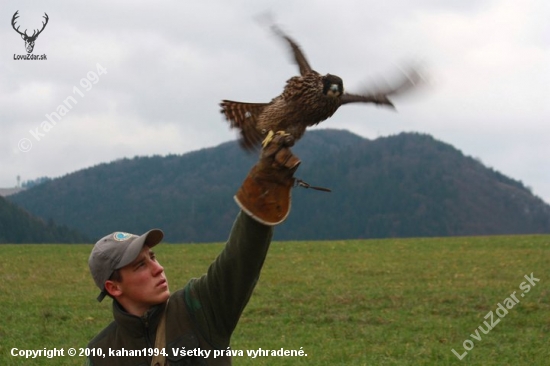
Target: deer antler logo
x,y
29,40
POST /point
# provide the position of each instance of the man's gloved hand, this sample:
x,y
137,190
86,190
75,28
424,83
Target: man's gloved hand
x,y
265,192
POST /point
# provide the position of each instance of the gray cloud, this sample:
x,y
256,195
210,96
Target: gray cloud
x,y
170,63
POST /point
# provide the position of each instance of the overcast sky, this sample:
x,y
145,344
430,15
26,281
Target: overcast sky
x,y
166,65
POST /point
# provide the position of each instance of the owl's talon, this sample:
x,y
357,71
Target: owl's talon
x,y
268,139
282,133
270,135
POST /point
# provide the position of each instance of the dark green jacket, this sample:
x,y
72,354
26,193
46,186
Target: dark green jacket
x,y
201,316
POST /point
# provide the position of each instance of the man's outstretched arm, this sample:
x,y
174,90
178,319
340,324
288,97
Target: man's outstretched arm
x,y
217,299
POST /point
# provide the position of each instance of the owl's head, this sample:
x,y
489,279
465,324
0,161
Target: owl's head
x,y
333,86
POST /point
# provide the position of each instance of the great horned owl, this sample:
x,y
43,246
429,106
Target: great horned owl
x,y
306,100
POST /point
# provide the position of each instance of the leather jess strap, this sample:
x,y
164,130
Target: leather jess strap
x,y
160,340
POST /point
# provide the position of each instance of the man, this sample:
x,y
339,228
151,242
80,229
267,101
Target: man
x,y
193,323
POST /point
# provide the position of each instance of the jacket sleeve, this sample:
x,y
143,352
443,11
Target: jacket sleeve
x,y
217,299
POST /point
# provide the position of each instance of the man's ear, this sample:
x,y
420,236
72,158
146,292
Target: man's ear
x,y
113,288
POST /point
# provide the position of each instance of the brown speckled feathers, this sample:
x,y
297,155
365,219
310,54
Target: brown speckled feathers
x,y
306,100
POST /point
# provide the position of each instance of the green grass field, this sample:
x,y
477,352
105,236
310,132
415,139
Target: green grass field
x,y
358,302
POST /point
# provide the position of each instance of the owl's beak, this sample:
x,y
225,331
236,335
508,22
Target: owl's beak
x,y
334,91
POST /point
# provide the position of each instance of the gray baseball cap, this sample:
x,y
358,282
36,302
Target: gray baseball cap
x,y
117,250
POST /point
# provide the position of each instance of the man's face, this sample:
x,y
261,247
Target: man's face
x,y
143,283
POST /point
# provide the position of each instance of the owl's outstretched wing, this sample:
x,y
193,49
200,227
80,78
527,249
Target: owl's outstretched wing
x,y
381,96
297,52
244,117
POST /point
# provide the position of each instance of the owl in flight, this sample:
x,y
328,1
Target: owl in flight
x,y
306,100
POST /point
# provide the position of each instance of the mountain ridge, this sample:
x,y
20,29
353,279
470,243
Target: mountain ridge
x,y
408,184
18,226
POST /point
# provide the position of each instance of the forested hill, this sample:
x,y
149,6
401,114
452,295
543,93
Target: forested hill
x,y
399,186
18,226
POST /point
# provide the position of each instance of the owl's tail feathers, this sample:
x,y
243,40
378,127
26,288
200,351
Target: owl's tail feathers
x,y
244,117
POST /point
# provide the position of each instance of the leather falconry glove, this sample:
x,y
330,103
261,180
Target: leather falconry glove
x,y
265,192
